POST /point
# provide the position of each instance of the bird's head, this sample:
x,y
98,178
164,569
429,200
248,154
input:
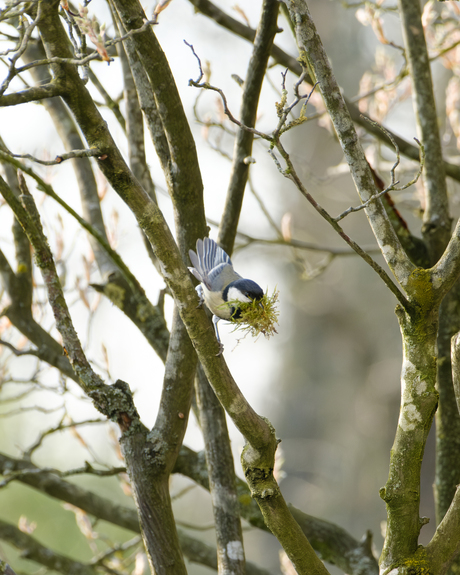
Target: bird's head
x,y
242,290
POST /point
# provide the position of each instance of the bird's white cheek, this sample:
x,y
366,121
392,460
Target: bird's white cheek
x,y
235,294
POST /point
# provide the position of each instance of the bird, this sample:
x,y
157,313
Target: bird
x,y
219,283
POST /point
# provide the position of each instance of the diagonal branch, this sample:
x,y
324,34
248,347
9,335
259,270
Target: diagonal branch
x,y
35,551
445,544
312,54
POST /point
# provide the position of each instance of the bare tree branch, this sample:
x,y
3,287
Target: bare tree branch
x,y
252,87
436,217
312,54
287,61
445,544
222,481
34,551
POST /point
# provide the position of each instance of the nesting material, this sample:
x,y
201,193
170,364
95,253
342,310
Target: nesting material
x,y
257,317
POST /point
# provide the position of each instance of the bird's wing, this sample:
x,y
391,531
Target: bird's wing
x,y
219,277
211,265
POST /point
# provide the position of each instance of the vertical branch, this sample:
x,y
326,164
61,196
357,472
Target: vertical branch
x,y
71,139
436,233
263,43
217,444
183,172
447,473
135,126
436,219
456,367
222,481
20,284
418,404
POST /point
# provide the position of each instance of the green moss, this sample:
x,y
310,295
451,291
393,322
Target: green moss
x,y
421,288
418,563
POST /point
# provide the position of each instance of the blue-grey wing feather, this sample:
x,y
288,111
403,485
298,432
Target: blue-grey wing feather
x,y
220,276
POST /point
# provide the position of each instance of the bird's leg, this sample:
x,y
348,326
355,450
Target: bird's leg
x,y
215,320
199,291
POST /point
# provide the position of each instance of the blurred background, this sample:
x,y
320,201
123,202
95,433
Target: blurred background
x,y
328,382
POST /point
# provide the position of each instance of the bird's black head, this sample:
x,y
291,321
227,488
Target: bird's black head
x,y
242,290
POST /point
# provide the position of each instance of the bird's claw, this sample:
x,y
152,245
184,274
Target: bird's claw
x,y
221,349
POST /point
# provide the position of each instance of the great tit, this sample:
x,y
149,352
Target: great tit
x,y
219,282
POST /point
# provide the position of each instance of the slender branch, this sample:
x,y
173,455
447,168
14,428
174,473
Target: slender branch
x,y
28,216
61,427
436,218
304,245
26,35
91,153
74,61
135,109
18,352
222,480
455,343
207,86
109,102
393,185
71,138
87,469
252,87
146,99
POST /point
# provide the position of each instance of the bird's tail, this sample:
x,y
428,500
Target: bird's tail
x,y
208,255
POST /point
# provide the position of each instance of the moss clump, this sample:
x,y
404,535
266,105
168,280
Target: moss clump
x,y
257,316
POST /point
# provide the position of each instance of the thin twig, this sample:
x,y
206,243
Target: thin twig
x,y
207,86
88,468
18,352
89,153
393,185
